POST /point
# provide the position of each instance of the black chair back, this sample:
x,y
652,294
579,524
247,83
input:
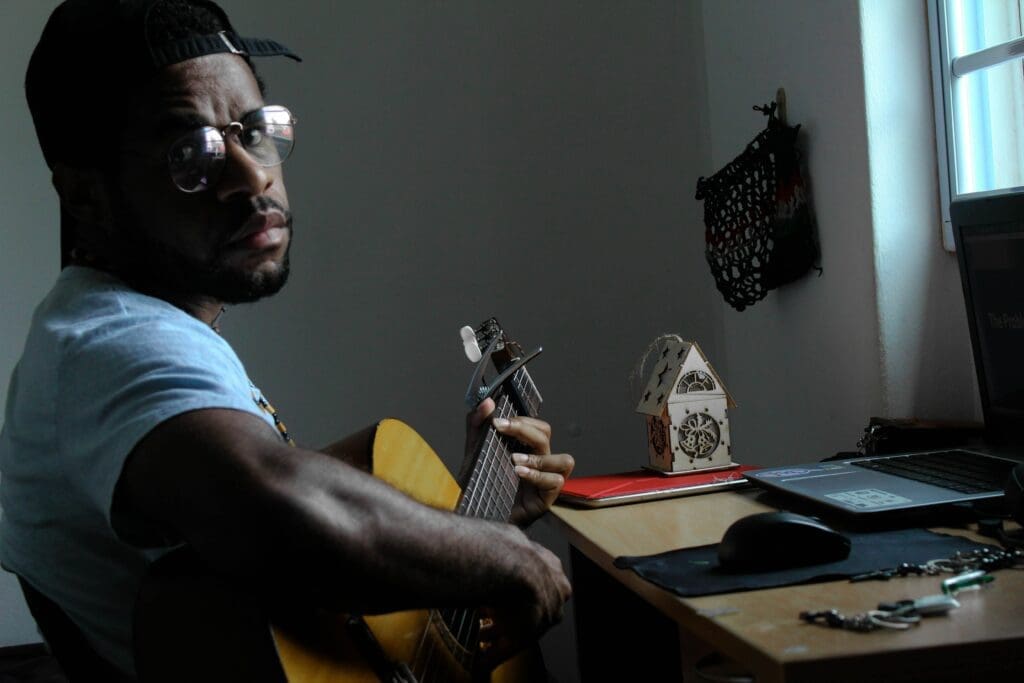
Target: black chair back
x,y
69,647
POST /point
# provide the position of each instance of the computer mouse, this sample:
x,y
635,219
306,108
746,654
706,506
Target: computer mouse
x,y
769,541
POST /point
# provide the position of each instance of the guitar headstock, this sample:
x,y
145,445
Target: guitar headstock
x,y
489,342
506,351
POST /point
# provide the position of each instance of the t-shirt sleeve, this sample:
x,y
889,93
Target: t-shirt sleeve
x,y
120,380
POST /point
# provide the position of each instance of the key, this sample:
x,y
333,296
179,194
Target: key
x,y
927,606
931,605
895,606
877,575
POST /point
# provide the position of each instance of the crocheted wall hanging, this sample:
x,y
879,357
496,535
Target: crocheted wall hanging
x,y
759,232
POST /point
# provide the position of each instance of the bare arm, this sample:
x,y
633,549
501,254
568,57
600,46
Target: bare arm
x,y
256,508
355,450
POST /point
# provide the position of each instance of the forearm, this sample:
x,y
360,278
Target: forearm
x,y
300,521
361,545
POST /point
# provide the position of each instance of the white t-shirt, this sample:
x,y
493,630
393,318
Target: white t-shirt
x,y
103,365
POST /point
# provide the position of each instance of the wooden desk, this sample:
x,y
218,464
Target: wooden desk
x,y
620,636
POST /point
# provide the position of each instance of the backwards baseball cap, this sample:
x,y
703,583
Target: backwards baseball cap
x,y
94,55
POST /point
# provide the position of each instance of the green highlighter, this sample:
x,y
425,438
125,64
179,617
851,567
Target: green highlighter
x,y
972,579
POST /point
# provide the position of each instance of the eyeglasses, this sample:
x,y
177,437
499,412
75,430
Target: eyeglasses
x,y
196,160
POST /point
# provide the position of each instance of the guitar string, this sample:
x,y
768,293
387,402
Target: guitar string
x,y
497,507
524,384
499,475
418,665
428,647
504,464
506,496
462,623
467,622
487,506
507,486
484,463
425,670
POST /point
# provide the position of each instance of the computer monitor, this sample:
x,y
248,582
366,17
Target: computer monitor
x,y
988,229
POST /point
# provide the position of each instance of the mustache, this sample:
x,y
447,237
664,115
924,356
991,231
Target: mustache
x,y
244,209
262,203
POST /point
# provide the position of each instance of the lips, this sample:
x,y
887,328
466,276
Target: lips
x,y
263,230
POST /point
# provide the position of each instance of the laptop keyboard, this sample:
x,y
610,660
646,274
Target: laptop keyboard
x,y
956,470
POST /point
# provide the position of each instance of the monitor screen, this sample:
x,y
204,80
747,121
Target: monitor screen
x,y
990,248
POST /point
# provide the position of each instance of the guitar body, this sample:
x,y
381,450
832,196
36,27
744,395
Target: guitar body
x,y
187,622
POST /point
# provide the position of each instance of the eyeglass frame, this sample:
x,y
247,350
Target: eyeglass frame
x,y
234,127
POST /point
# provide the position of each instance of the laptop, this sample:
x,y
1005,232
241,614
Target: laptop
x,y
988,230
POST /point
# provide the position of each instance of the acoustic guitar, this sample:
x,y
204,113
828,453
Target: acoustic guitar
x,y
191,625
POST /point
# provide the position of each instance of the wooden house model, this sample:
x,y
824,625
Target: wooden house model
x,y
685,404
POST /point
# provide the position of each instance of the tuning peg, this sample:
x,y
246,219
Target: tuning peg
x,y
470,345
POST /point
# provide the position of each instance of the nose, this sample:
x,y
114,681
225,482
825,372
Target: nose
x,y
242,174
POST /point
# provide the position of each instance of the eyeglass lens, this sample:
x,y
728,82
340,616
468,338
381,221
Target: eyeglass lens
x,y
196,160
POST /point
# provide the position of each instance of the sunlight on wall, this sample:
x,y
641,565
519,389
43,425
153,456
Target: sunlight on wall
x,y
926,361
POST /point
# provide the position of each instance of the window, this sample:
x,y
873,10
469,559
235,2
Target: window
x,y
978,58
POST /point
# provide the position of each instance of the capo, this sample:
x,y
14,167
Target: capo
x,y
478,391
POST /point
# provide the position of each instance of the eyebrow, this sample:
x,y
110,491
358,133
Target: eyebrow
x,y
171,121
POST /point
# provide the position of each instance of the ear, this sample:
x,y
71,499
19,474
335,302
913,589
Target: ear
x,y
85,194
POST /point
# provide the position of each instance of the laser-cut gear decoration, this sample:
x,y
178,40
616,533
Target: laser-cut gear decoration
x,y
695,380
699,435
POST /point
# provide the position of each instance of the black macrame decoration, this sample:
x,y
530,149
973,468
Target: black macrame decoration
x,y
758,225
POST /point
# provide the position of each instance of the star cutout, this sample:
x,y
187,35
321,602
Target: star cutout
x,y
661,375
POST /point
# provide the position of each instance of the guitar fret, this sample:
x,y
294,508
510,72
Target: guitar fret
x,y
489,492
495,459
527,390
507,468
475,500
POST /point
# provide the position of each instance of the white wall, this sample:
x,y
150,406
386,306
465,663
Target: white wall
x,y
882,330
533,160
29,257
927,367
803,363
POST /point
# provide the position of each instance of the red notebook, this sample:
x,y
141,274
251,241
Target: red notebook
x,y
640,485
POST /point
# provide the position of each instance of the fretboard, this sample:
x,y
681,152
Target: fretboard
x,y
490,490
489,493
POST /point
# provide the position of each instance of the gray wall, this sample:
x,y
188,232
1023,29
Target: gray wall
x,y
533,160
804,363
29,258
530,160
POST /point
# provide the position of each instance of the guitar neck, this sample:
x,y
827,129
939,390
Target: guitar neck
x,y
490,490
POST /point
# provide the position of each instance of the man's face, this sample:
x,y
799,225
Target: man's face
x,y
228,243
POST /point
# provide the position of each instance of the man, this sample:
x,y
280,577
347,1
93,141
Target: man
x,y
132,427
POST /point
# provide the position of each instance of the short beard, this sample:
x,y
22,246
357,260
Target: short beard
x,y
155,268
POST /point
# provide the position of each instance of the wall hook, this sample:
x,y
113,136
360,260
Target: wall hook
x,y
780,101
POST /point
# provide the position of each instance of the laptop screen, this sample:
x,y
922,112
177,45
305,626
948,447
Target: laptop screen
x,y
989,234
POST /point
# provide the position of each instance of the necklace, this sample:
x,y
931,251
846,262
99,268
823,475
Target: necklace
x,y
264,405
215,323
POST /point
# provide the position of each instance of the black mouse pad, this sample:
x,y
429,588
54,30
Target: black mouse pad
x,y
694,571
